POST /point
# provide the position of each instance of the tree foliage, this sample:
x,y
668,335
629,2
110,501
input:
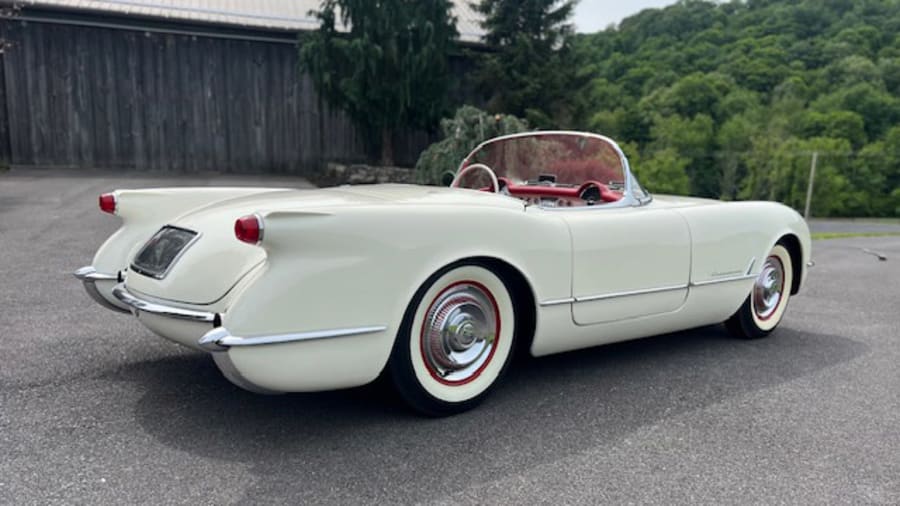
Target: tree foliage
x,y
532,71
388,68
738,96
468,128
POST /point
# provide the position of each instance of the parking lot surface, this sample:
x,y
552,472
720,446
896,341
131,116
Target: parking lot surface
x,y
94,409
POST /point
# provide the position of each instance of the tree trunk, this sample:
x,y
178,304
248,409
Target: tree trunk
x,y
387,147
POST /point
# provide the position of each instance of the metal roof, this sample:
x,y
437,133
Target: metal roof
x,y
274,14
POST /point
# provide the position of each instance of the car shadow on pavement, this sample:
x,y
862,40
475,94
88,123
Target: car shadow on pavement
x,y
362,444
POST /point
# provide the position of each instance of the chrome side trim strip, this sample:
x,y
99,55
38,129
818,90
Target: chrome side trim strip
x,y
590,298
750,267
723,280
557,302
89,277
122,293
220,339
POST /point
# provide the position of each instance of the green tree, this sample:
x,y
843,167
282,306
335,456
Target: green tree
x,y
746,90
890,73
835,124
880,110
877,177
735,140
693,140
462,133
662,172
693,94
389,69
780,171
532,71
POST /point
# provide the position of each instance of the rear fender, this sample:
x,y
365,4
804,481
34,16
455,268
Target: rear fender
x,y
359,268
143,212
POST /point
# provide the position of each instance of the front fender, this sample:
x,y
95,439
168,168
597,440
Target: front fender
x,y
734,238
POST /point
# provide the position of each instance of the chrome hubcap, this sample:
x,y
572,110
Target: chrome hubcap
x,y
460,332
767,291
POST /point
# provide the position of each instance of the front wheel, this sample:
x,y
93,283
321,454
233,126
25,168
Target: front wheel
x,y
455,340
764,307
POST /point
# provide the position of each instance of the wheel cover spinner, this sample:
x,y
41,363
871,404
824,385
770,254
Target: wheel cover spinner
x,y
460,332
768,289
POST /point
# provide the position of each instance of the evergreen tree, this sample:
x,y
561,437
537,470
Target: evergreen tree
x,y
384,62
532,72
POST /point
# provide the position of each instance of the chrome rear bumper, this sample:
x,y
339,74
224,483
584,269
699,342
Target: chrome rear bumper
x,y
125,297
219,338
90,277
249,362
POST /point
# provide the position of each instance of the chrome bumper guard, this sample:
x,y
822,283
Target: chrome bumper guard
x,y
125,297
89,277
220,339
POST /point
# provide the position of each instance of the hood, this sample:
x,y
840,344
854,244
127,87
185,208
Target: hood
x,y
213,264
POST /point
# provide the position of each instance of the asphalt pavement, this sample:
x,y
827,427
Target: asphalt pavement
x,y
864,226
94,409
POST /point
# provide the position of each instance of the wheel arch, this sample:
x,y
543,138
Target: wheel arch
x,y
523,298
792,243
521,290
401,366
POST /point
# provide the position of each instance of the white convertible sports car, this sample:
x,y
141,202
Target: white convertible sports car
x,y
545,242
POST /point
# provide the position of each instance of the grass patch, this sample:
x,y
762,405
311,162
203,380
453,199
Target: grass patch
x,y
843,235
883,220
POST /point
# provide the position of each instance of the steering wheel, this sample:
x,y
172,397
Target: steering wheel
x,y
595,191
495,186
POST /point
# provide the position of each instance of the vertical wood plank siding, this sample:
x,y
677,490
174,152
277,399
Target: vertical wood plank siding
x,y
92,97
4,118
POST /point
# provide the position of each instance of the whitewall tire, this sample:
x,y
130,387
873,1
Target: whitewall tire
x,y
455,341
764,308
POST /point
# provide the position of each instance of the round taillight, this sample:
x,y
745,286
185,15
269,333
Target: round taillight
x,y
249,229
108,203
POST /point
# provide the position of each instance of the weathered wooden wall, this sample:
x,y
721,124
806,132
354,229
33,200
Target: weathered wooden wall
x,y
85,97
4,117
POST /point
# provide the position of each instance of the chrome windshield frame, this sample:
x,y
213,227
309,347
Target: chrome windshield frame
x,y
628,197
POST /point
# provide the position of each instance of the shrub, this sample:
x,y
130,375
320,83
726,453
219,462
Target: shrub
x,y
468,128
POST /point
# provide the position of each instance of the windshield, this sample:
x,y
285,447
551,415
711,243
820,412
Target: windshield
x,y
556,169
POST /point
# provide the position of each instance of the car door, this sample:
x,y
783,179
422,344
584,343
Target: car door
x,y
628,262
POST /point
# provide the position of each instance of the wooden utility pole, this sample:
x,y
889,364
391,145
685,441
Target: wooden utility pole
x,y
809,188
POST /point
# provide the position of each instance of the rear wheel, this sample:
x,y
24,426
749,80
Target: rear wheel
x,y
455,340
765,306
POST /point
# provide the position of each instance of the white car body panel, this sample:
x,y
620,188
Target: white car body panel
x,y
353,258
644,252
142,212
